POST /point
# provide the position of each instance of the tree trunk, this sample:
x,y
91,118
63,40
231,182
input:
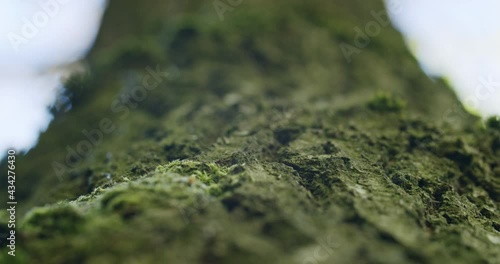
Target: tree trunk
x,y
274,132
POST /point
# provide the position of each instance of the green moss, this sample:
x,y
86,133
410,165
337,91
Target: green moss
x,y
50,222
134,51
209,174
384,102
493,122
268,148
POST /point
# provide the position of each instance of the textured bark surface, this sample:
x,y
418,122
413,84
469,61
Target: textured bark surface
x,y
263,145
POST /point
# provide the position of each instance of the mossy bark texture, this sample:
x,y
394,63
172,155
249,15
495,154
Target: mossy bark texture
x,y
259,143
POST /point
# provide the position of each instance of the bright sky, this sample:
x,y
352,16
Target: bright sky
x,y
37,37
458,40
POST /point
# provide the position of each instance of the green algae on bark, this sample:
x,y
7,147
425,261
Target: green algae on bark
x,y
268,148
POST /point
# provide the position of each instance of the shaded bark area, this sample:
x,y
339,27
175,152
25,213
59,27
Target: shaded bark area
x,y
262,145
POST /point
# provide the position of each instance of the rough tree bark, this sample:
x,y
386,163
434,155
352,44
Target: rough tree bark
x,y
263,145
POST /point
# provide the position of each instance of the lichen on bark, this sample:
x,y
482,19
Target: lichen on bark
x,y
267,147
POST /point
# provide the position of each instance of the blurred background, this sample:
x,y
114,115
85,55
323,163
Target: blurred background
x,y
456,40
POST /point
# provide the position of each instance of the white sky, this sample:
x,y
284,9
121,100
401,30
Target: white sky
x,y
36,37
458,40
